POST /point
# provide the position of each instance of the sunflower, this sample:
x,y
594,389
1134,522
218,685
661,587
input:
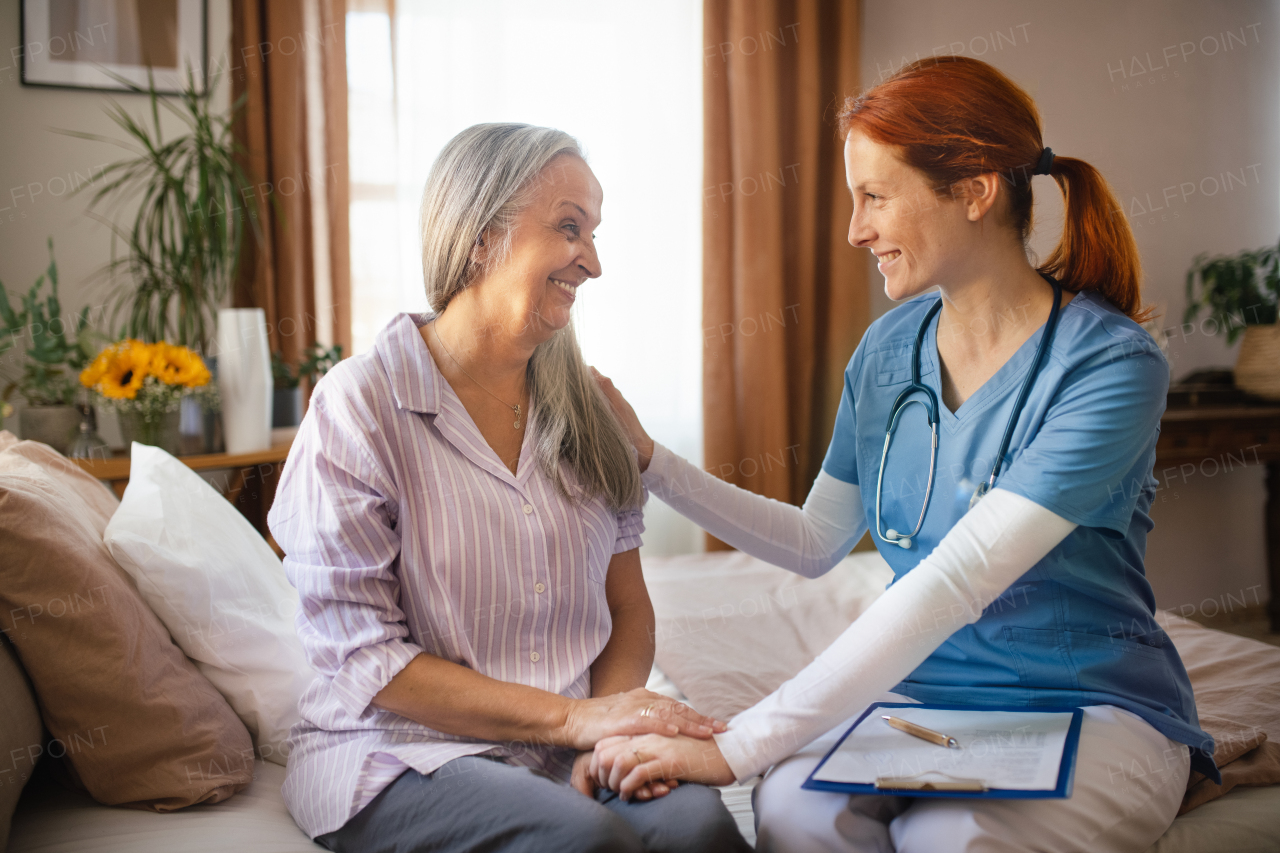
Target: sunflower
x,y
119,370
177,365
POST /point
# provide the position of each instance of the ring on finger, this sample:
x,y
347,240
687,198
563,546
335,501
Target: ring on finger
x,y
647,711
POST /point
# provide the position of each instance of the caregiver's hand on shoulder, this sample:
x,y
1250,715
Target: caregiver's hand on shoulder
x,y
635,712
629,764
627,417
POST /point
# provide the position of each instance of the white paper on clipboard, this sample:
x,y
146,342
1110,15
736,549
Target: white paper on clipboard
x,y
1012,750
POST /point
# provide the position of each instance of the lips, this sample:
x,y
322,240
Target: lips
x,y
888,258
571,289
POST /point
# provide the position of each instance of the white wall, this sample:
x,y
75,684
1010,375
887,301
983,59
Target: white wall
x,y
1156,95
36,165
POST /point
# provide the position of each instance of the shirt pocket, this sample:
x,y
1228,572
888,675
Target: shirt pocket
x,y
893,365
1081,661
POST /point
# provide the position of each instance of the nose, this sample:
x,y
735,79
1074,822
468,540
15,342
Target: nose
x,y
861,234
589,260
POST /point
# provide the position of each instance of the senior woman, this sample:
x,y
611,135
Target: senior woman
x,y
461,517
1031,593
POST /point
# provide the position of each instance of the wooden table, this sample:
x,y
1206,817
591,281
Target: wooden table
x,y
250,481
1208,439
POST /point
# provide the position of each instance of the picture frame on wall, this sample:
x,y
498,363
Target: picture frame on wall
x,y
81,44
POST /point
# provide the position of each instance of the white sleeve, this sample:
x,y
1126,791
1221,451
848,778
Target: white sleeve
x,y
992,546
808,540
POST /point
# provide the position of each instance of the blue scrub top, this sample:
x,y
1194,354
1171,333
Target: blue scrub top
x,y
1078,628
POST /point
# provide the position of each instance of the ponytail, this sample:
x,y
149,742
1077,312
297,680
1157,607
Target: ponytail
x,y
1097,250
954,118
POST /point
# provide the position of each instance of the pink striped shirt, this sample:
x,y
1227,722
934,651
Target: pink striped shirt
x,y
404,533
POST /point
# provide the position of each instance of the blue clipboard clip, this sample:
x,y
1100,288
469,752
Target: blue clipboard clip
x,y
915,786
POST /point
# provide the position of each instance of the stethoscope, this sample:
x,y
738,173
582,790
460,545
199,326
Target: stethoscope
x,y
930,404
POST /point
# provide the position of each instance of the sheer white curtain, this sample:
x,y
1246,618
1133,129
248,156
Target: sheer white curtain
x,y
626,80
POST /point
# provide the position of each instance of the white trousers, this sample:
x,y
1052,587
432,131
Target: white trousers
x,y
1129,782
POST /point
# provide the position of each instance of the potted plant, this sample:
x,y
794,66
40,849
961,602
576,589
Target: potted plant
x,y
195,201
58,349
1242,292
191,204
286,409
145,383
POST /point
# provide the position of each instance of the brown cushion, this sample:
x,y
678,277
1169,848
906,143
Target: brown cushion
x,y
138,725
20,736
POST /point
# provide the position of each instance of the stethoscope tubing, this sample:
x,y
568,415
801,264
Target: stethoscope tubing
x,y
930,405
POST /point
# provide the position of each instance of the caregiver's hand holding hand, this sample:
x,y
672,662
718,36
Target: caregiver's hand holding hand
x,y
627,416
628,764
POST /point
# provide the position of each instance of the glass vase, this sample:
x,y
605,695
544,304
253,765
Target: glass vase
x,y
160,431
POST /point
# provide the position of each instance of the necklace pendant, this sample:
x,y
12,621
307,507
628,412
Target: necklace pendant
x,y
516,409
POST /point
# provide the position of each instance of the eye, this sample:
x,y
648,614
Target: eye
x,y
573,228
872,196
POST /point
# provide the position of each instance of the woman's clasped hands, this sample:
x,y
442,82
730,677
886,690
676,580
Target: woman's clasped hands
x,y
638,736
646,765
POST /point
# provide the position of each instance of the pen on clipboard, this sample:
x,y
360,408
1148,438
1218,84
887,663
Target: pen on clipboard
x,y
921,732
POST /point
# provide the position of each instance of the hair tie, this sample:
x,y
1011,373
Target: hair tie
x,y
1045,164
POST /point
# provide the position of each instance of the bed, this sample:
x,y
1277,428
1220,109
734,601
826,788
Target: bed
x,y
732,628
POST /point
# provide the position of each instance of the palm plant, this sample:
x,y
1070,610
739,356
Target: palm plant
x,y
195,203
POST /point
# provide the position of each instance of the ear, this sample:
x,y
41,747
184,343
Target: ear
x,y
980,194
480,249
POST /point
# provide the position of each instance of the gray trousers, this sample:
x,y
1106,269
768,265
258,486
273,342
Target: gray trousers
x,y
478,803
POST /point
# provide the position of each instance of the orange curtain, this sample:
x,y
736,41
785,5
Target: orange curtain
x,y
784,295
289,65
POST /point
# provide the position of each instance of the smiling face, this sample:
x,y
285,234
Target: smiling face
x,y
552,249
920,238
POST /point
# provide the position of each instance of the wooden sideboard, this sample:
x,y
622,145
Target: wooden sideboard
x,y
1211,438
249,479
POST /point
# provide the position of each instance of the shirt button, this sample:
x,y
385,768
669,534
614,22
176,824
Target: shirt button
x,y
534,656
537,587
528,509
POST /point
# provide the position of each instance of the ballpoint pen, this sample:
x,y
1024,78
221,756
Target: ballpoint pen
x,y
921,732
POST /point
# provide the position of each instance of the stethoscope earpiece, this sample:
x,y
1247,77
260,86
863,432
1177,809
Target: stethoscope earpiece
x,y
900,540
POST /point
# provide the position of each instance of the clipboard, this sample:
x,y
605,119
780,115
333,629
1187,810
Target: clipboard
x,y
907,786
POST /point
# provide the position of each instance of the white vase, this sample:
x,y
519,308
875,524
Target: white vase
x,y
244,379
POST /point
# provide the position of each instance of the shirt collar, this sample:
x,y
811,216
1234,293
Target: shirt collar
x,y
415,379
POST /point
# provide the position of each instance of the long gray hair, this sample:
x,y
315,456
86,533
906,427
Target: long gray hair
x,y
484,176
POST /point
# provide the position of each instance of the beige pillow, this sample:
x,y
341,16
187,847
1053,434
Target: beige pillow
x,y
137,724
20,736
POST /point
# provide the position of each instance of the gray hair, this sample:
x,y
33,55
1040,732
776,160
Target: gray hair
x,y
483,177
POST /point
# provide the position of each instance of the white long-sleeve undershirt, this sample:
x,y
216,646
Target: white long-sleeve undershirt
x,y
807,540
993,545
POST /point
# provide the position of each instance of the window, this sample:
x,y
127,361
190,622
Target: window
x,y
626,80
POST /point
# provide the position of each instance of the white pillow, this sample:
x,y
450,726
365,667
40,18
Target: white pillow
x,y
730,628
219,589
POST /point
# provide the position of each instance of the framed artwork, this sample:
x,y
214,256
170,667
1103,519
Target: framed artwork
x,y
79,44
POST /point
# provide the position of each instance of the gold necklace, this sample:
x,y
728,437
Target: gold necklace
x,y
515,408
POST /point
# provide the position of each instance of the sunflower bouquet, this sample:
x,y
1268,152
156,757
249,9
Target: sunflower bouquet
x,y
144,382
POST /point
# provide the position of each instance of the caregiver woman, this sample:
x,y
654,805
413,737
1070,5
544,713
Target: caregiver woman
x,y
1034,596
461,516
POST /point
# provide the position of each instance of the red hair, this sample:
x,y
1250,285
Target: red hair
x,y
954,118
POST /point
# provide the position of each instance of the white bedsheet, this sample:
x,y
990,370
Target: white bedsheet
x,y
51,819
